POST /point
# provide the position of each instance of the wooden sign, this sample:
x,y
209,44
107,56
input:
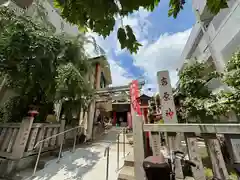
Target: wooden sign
x,y
156,143
166,96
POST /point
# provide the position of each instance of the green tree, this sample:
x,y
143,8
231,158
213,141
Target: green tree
x,y
154,107
193,97
41,67
152,110
230,100
100,15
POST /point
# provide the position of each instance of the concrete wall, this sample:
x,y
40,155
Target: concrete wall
x,y
223,37
226,39
223,30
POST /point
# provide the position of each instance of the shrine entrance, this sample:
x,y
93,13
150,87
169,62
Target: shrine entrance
x,y
120,103
121,119
120,114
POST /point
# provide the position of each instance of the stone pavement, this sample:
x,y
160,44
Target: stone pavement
x,y
86,163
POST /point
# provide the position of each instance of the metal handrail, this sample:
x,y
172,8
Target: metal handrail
x,y
61,146
124,145
37,144
107,149
106,153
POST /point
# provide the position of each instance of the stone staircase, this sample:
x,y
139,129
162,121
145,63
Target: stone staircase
x,y
127,171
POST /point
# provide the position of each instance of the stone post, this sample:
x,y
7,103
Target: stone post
x,y
22,138
62,129
92,107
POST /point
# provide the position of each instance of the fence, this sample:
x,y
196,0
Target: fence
x,y
42,142
17,140
209,133
123,131
106,153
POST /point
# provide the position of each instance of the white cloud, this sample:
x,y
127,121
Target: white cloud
x,y
119,75
137,21
139,24
164,54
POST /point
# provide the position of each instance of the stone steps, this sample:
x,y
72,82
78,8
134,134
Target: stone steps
x,y
129,161
129,138
127,171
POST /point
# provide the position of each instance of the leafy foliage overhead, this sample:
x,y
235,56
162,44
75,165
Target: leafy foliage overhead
x,y
100,15
41,67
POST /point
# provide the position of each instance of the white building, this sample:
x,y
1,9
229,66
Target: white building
x,y
219,41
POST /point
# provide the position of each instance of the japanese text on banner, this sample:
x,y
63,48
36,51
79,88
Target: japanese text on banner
x,y
134,94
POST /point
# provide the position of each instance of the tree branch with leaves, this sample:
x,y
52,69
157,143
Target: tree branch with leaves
x,y
40,66
229,101
101,15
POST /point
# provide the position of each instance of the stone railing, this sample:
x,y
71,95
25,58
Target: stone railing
x,y
17,140
20,142
8,135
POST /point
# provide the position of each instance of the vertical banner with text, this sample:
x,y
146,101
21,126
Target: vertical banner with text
x,y
134,94
137,124
166,95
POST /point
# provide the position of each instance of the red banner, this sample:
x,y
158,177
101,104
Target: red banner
x,y
134,94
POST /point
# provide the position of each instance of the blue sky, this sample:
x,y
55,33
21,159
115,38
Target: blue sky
x,y
163,39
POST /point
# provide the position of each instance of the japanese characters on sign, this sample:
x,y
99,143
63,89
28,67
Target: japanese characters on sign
x,y
164,81
134,94
166,95
169,113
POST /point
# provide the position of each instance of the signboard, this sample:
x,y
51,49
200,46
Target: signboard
x,y
156,144
166,96
134,94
